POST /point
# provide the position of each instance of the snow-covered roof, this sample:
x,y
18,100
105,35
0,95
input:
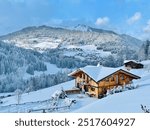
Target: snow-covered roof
x,y
97,73
126,61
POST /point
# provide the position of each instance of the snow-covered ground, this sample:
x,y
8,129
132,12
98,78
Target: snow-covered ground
x,y
40,95
35,43
126,101
51,69
86,49
41,99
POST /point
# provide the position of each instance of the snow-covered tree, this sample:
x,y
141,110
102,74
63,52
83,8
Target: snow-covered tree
x,y
145,109
30,70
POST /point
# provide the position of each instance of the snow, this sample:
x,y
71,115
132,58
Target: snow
x,y
6,94
56,93
98,72
41,43
126,61
51,69
39,95
86,49
81,27
45,45
146,62
40,99
127,101
68,101
70,53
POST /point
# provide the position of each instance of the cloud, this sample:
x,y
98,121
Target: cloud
x,y
136,17
146,29
102,21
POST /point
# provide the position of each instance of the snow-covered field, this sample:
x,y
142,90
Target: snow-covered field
x,y
41,99
86,49
51,69
42,44
126,101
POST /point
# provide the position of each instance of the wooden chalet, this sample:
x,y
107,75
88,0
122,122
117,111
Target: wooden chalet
x,y
96,80
132,64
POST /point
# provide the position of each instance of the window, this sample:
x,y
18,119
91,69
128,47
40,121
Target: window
x,y
112,78
83,76
122,77
92,89
107,79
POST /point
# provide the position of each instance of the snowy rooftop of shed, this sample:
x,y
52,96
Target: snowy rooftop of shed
x,y
126,61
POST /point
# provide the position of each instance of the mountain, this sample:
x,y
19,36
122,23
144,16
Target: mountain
x,y
81,42
45,37
85,28
33,50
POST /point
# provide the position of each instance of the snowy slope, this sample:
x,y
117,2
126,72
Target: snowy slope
x,y
45,37
40,99
81,42
39,95
127,101
51,69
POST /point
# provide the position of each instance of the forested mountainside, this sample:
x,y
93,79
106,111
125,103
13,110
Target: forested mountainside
x,y
27,54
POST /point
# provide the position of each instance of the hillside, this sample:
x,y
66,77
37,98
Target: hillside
x,y
41,56
82,41
22,68
126,101
45,37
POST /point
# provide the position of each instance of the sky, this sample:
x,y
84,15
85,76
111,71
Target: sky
x,y
122,16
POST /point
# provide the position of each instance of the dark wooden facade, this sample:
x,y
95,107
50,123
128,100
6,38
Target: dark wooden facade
x,y
133,65
96,88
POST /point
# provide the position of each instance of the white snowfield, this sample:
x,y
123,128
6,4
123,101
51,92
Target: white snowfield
x,y
40,95
126,101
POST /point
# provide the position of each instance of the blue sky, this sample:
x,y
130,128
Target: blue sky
x,y
123,16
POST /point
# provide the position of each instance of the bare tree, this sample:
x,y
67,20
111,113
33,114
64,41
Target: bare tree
x,y
18,94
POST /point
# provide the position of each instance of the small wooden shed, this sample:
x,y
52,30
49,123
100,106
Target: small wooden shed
x,y
132,64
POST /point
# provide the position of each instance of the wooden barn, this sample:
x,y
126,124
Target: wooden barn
x,y
96,80
132,64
